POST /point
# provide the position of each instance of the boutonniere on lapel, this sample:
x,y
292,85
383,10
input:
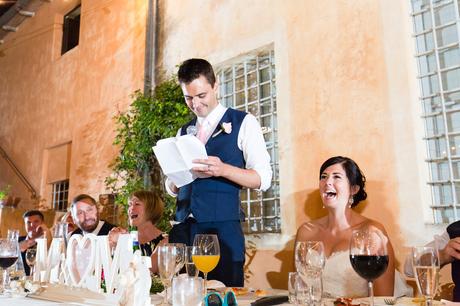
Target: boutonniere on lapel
x,y
225,127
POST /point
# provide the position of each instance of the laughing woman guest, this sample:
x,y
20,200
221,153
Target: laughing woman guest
x,y
341,186
144,210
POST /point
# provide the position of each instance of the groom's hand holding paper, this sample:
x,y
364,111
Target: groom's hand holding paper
x,y
176,157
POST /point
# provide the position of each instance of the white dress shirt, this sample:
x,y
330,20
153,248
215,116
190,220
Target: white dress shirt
x,y
250,141
439,242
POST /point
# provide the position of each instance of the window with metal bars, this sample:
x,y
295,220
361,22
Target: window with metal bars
x,y
247,83
436,33
60,195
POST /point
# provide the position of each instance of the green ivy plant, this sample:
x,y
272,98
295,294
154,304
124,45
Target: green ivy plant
x,y
151,117
4,192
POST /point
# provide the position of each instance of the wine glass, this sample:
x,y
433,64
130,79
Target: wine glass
x,y
206,254
180,256
31,257
166,266
309,255
190,267
369,255
8,257
425,262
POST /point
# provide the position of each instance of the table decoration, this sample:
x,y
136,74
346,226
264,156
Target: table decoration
x,y
87,258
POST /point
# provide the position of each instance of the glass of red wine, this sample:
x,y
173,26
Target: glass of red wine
x,y
369,255
8,257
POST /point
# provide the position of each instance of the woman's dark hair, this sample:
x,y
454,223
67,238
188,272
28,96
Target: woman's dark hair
x,y
193,68
354,175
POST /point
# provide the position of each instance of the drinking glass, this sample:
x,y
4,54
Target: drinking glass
x,y
31,257
369,255
17,271
190,267
166,266
425,262
180,256
309,255
309,288
206,254
60,231
292,281
8,256
187,291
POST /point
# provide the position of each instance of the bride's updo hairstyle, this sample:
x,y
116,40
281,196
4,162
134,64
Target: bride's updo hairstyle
x,y
354,175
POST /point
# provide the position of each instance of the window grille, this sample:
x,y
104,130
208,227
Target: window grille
x,y
248,84
71,30
60,195
436,28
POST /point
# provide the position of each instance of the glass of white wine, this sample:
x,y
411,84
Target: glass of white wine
x,y
425,262
31,257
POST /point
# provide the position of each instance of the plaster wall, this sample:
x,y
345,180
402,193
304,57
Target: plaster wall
x,y
346,85
52,102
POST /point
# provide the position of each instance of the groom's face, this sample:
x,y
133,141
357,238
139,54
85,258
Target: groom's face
x,y
200,96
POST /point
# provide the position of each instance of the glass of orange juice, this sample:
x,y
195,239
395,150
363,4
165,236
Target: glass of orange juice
x,y
205,254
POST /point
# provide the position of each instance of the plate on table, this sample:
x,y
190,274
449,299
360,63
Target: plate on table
x,y
378,301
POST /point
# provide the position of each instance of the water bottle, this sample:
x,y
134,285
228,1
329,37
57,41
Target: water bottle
x,y
135,237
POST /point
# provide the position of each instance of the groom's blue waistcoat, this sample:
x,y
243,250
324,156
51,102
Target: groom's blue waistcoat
x,y
215,198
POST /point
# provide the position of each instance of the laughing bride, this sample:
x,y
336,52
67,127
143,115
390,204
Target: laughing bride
x,y
341,187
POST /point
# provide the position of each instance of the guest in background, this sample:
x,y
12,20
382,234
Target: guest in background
x,y
341,187
35,226
85,214
144,210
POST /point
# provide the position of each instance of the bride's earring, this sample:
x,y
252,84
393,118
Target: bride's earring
x,y
350,201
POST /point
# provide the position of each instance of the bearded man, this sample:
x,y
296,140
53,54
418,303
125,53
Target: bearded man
x,y
85,215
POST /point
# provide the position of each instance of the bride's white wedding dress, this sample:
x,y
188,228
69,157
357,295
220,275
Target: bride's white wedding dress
x,y
340,280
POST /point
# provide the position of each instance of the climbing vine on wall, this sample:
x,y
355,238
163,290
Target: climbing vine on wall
x,y
150,117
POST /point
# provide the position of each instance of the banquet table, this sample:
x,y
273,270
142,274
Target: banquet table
x,y
156,300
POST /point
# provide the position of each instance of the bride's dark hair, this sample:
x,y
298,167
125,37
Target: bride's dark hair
x,y
354,175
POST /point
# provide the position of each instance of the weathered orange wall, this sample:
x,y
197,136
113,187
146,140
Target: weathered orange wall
x,y
47,99
346,84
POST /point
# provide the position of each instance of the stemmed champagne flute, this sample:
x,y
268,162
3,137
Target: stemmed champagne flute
x,y
8,257
180,256
31,257
425,262
369,255
206,254
166,266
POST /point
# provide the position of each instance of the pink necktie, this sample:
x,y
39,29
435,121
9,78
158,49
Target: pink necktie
x,y
202,135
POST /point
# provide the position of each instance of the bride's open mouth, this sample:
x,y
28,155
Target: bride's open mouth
x,y
330,194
